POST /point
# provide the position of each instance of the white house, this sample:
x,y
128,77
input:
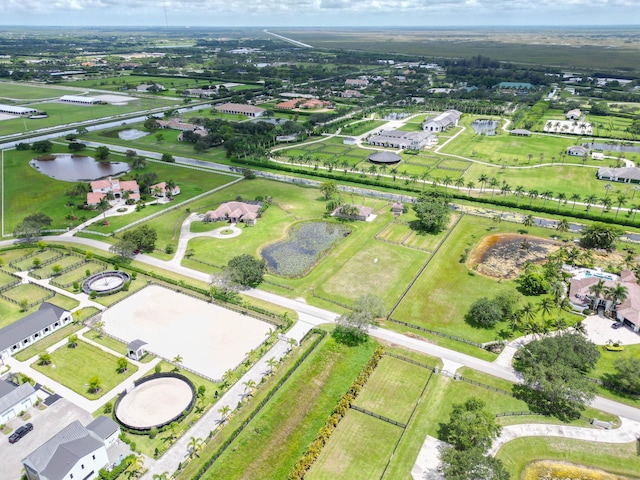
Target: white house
x,y
160,190
441,122
623,174
401,139
74,453
573,114
14,400
22,333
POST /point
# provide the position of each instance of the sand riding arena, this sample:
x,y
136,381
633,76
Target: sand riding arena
x,y
210,339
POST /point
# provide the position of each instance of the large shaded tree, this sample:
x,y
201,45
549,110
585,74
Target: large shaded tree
x,y
32,226
432,210
352,327
143,237
470,426
554,374
247,270
471,464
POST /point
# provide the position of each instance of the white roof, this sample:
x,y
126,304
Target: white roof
x,y
16,110
78,98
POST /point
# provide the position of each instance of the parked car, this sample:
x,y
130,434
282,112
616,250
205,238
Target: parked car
x,y
20,432
617,325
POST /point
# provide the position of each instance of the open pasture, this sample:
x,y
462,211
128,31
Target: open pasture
x,y
22,264
77,274
20,92
30,292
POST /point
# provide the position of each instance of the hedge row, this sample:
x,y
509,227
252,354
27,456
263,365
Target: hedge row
x,y
103,474
313,451
321,335
337,175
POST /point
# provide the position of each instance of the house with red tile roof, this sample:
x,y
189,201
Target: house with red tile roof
x,y
100,189
234,212
160,190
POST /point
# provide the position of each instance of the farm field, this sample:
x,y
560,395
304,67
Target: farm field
x,y
281,432
442,295
21,92
75,366
63,113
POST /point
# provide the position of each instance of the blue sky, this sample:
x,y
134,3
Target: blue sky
x,y
319,12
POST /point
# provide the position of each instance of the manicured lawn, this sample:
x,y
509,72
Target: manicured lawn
x,y
273,441
447,288
73,367
27,291
620,459
39,347
6,279
606,365
78,273
393,389
359,448
105,341
63,301
28,191
42,256
64,262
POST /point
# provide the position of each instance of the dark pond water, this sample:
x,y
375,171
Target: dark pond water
x,y
76,168
484,127
613,147
301,250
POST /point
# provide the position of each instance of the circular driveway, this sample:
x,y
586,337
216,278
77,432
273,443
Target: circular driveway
x,y
217,233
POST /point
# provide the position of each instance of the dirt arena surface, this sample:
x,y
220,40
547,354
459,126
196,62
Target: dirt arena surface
x,y
210,339
154,402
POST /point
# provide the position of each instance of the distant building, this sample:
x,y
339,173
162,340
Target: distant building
x,y
577,151
162,189
356,82
22,333
624,174
351,94
240,109
574,114
79,100
521,132
75,452
150,87
597,155
353,212
349,141
13,110
397,208
515,86
441,122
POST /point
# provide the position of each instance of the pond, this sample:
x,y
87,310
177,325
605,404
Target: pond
x,y
612,147
131,134
485,127
305,245
77,168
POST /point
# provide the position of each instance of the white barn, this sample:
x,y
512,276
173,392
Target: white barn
x,y
79,99
14,400
441,122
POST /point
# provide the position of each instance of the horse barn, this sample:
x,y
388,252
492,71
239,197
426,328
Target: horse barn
x,y
79,99
20,111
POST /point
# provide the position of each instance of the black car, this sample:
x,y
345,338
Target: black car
x,y
20,432
615,326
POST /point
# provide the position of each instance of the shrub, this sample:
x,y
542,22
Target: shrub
x,y
108,408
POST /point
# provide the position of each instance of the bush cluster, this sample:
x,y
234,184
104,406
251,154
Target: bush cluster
x,y
313,450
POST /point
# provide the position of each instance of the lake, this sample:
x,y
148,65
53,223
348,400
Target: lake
x,y
77,168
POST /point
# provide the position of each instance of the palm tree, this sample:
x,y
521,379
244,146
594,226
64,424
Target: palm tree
x,y
177,361
606,205
596,290
169,187
447,181
528,312
72,341
98,326
272,363
483,180
590,200
459,183
533,194
161,476
470,186
580,328
618,294
103,206
493,183
620,199
393,172
249,386
195,444
529,221
227,377
136,466
505,189
562,197
519,190
224,412
562,225
546,305
607,188
574,198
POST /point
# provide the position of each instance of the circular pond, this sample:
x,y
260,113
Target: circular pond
x,y
307,242
155,401
105,283
77,168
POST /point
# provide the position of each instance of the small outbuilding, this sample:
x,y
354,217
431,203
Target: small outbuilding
x,y
14,400
397,208
136,350
520,132
384,158
577,151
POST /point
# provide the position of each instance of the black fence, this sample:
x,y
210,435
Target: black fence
x,y
410,360
381,417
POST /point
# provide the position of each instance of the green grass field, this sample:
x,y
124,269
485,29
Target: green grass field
x,y
359,448
24,91
441,297
39,347
393,389
273,441
73,367
27,291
